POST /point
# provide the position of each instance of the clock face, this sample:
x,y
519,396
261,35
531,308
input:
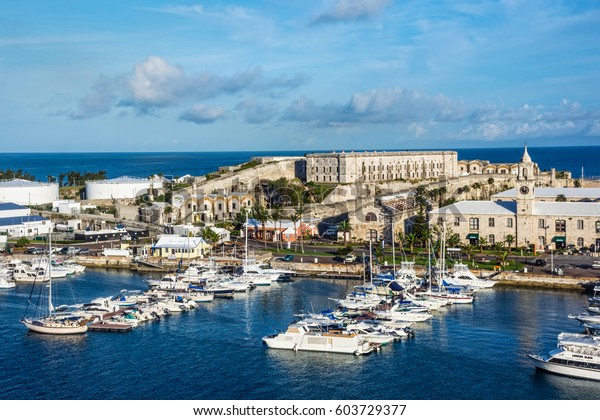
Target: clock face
x,y
524,189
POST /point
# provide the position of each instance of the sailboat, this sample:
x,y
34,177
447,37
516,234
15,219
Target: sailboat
x,y
54,323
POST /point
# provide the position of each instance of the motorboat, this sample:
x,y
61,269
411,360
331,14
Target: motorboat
x,y
576,355
26,274
462,276
404,312
427,301
299,337
6,281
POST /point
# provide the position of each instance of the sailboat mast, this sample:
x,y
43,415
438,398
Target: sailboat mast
x,y
50,308
370,261
393,249
246,237
430,270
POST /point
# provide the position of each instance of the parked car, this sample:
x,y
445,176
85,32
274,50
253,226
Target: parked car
x,y
126,237
350,258
596,265
83,251
33,250
288,257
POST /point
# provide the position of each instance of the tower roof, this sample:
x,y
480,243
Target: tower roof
x,y
526,158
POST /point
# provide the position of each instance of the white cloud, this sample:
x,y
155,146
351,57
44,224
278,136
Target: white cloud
x,y
154,83
203,114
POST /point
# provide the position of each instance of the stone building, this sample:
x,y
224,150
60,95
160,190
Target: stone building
x,y
524,216
375,167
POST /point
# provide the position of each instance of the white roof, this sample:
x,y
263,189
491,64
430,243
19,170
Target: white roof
x,y
479,207
566,209
121,180
546,192
509,208
176,241
15,183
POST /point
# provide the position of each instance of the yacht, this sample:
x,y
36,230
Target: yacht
x,y
462,276
300,337
577,355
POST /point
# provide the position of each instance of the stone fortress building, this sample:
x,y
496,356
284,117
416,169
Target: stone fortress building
x,y
373,167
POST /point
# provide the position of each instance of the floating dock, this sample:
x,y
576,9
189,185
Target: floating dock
x,y
110,327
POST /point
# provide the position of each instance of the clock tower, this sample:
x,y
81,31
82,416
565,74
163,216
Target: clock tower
x,y
525,185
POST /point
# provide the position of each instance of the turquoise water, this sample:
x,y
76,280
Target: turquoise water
x,y
215,352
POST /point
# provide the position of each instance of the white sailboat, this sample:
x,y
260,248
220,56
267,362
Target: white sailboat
x,y
53,323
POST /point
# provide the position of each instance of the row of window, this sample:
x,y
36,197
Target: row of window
x,y
560,225
474,222
491,239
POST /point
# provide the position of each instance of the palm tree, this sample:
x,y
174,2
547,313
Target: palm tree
x,y
294,217
476,186
482,243
468,248
260,214
410,240
345,227
400,237
300,213
510,239
276,217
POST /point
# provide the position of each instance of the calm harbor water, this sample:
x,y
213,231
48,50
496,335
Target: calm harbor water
x,y
472,352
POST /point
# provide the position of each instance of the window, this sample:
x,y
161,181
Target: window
x,y
474,223
220,206
491,239
579,242
597,227
580,224
509,222
541,223
491,222
233,205
560,226
457,221
370,217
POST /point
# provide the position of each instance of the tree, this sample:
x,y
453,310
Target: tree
x,y
22,242
300,213
276,216
482,243
345,227
210,236
509,239
476,186
561,198
410,240
294,217
259,213
468,249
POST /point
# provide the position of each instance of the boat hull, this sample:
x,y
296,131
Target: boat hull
x,y
565,370
54,327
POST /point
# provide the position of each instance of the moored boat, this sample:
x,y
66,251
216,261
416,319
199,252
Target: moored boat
x,y
301,338
577,355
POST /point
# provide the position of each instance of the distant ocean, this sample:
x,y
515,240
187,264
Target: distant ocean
x,y
177,164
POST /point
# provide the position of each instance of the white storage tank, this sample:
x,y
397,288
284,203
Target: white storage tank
x,y
28,193
118,188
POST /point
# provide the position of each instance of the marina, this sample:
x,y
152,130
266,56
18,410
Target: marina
x,y
495,334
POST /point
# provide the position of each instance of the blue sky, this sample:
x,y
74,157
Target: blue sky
x,y
297,75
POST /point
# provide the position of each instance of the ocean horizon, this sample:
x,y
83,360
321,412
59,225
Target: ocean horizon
x,y
574,159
